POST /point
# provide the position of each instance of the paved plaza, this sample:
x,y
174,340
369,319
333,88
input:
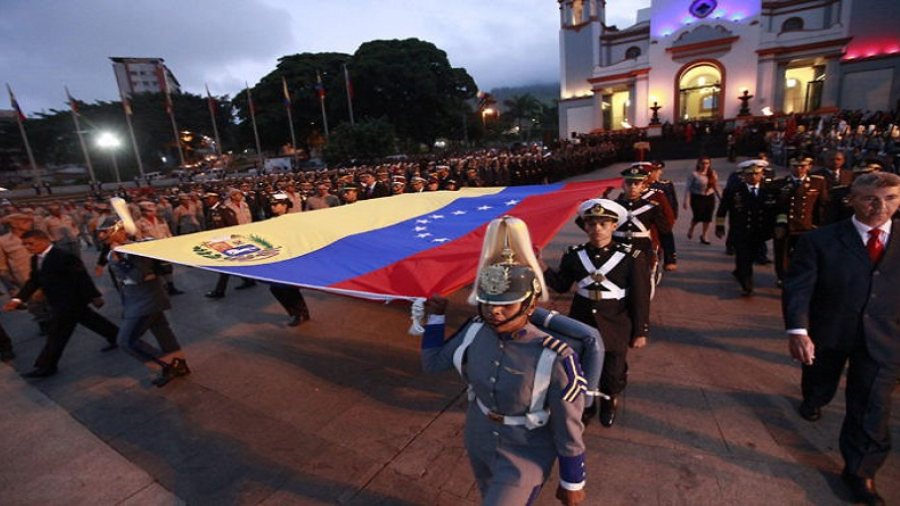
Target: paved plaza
x,y
338,411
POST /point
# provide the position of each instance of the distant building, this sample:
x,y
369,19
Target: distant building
x,y
695,59
143,75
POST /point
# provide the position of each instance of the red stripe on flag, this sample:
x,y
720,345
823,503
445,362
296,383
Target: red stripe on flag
x,y
451,266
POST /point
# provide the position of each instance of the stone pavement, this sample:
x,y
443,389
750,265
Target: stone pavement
x,y
337,411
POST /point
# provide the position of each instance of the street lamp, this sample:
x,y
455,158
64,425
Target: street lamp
x,y
108,141
487,111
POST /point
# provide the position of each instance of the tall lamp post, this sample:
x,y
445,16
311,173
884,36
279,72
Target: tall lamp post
x,y
111,143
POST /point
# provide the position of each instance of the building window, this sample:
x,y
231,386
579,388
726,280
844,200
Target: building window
x,y
699,88
632,53
794,24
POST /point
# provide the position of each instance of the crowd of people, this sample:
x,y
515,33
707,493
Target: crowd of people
x,y
629,241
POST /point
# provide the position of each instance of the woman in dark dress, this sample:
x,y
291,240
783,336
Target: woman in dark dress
x,y
700,194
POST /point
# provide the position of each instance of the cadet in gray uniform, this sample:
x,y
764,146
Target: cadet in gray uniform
x,y
525,386
144,302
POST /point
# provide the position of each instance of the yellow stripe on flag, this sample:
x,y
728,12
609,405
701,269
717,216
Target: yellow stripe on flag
x,y
296,234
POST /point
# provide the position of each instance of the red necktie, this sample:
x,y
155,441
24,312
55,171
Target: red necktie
x,y
874,245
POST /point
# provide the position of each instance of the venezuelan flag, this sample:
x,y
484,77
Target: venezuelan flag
x,y
401,247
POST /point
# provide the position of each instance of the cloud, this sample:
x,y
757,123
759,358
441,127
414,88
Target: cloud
x,y
49,44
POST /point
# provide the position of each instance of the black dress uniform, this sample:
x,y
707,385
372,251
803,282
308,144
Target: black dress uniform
x,y
612,295
801,204
642,216
750,223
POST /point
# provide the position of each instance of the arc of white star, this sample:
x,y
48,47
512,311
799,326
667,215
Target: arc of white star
x,y
423,221
437,216
457,213
419,229
422,236
511,202
440,239
485,208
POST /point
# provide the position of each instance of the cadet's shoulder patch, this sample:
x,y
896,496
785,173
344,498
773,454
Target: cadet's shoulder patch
x,y
558,345
576,248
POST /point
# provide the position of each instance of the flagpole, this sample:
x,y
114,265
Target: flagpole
x,y
170,108
287,105
19,117
87,156
349,94
212,115
126,107
255,131
321,90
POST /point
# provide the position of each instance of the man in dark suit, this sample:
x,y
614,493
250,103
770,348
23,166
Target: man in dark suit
x,y
69,289
841,305
749,208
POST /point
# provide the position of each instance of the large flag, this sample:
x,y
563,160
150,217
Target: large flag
x,y
403,247
15,104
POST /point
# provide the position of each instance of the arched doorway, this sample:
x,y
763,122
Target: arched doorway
x,y
699,90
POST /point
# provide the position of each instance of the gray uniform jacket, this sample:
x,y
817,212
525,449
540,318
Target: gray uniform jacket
x,y
500,371
140,287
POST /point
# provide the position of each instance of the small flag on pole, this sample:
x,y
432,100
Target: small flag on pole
x,y
15,104
320,88
164,87
72,103
210,101
126,104
287,94
348,83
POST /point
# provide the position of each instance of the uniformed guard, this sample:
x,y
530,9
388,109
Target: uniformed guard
x,y
525,385
290,297
801,203
144,302
612,294
749,208
640,218
662,191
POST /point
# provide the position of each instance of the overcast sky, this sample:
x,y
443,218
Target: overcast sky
x,y
48,44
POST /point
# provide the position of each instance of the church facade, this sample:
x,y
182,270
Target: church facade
x,y
721,59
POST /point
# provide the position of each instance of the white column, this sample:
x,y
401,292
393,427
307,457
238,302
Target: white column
x,y
640,101
831,88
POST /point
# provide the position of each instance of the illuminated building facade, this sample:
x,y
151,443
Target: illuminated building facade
x,y
697,59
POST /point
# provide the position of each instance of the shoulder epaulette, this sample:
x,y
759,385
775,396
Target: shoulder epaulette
x,y
816,176
577,247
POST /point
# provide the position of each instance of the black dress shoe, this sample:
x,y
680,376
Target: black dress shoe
x,y
109,347
295,320
174,291
608,411
704,241
863,489
40,372
214,294
809,413
176,369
